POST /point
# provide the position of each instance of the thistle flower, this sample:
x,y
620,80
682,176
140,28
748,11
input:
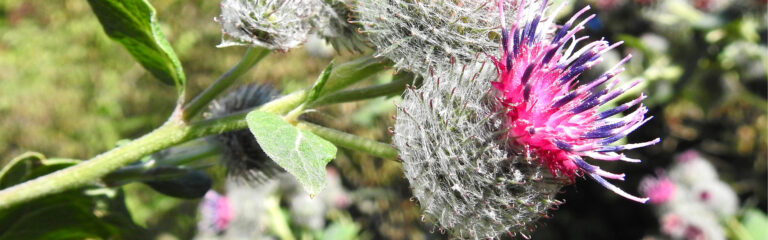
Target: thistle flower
x,y
417,35
274,24
451,140
240,151
474,145
549,115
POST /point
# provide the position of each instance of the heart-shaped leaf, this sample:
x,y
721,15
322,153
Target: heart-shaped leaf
x,y
300,152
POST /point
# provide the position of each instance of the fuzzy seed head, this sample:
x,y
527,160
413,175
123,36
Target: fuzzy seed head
x,y
274,24
450,138
417,35
240,152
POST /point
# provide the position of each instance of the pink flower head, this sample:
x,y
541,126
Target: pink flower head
x,y
552,116
659,189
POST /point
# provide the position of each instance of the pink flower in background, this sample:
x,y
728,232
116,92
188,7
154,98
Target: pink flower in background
x,y
215,212
551,115
659,189
688,156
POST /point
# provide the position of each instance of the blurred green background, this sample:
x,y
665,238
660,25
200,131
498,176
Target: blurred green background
x,y
67,90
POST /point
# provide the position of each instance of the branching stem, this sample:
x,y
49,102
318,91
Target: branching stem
x,y
178,130
252,56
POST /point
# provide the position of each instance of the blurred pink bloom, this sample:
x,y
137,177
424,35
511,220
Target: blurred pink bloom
x,y
659,189
216,212
687,156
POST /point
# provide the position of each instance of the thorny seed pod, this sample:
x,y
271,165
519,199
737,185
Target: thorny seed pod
x,y
274,24
417,35
240,151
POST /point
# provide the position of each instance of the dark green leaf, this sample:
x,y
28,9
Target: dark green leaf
x,y
132,23
193,184
28,166
90,212
300,152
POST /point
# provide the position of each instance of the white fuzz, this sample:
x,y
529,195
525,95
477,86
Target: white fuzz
x,y
417,35
450,138
274,24
333,24
690,169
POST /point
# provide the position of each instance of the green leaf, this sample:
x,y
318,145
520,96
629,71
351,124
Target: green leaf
x,y
299,152
756,223
314,93
345,228
90,212
30,165
132,23
15,171
74,214
192,184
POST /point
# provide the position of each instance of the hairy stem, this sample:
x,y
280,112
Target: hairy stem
x,y
397,86
87,171
350,141
171,133
353,71
136,172
252,56
177,130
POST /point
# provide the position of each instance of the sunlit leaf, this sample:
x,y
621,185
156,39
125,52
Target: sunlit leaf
x,y
300,152
133,24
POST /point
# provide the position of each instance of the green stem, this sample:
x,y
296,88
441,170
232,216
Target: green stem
x,y
236,121
190,154
351,141
397,86
87,171
252,56
353,71
169,134
176,131
183,155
